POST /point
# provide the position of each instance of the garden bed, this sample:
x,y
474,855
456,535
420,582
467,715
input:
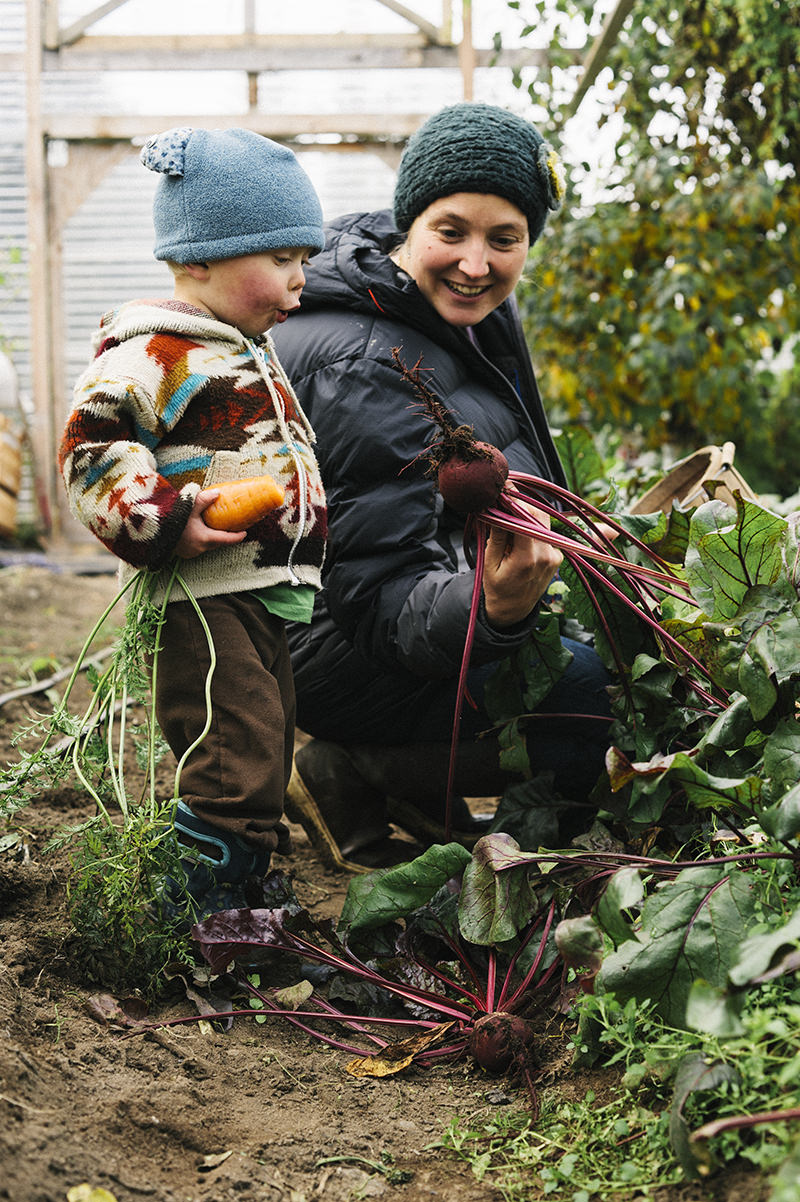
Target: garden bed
x,y
254,1113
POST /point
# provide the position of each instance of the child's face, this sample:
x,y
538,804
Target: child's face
x,y
253,292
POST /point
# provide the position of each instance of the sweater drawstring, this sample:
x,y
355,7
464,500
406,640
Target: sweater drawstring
x,y
262,362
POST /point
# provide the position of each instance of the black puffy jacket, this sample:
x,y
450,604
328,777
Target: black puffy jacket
x,y
396,583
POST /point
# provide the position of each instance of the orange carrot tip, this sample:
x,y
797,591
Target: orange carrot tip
x,y
242,503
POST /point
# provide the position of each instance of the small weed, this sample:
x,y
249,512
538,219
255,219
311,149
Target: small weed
x,y
57,1023
385,1165
253,1000
576,1151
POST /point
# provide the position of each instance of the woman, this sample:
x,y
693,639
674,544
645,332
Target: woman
x,y
376,671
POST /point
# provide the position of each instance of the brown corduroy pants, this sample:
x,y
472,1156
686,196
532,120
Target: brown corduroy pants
x,y
236,778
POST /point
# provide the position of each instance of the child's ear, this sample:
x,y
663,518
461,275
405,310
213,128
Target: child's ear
x,y
198,271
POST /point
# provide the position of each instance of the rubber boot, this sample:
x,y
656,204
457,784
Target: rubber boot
x,y
415,777
342,795
217,874
339,811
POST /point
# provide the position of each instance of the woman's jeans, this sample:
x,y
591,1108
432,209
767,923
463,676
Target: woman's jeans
x,y
361,705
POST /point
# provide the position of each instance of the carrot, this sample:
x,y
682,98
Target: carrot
x,y
241,503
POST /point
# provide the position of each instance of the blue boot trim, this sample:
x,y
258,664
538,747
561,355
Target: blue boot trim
x,y
237,860
202,832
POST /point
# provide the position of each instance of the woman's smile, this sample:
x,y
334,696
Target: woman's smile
x,y
467,289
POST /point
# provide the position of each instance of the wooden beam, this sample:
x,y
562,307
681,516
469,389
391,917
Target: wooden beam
x,y
447,20
258,53
116,44
41,284
295,128
49,25
596,58
466,52
78,28
87,165
430,31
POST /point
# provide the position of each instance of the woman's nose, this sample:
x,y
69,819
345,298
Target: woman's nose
x,y
475,259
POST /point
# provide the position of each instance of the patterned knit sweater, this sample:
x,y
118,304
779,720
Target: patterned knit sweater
x,y
175,401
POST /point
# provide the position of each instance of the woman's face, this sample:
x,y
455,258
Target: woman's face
x,y
466,253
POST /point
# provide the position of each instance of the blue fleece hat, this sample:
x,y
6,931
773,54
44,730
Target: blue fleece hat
x,y
229,192
475,147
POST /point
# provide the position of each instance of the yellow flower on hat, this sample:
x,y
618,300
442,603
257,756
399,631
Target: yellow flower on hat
x,y
558,176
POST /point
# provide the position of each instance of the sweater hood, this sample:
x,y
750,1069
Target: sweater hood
x,y
146,317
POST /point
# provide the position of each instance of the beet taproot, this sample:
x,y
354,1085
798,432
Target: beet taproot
x,y
499,1040
471,482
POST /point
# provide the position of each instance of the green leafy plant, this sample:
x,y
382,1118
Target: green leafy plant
x,y
710,722
452,949
123,855
662,300
576,1151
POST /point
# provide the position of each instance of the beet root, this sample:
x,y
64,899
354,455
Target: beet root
x,y
472,481
499,1040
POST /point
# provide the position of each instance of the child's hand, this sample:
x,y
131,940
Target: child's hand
x,y
197,537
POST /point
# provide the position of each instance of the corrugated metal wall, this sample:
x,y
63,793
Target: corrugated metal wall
x,y
14,312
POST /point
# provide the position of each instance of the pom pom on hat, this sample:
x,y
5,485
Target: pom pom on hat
x,y
225,193
473,147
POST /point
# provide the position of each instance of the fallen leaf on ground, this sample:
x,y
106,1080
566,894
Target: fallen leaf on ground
x,y
89,1193
396,1056
213,1161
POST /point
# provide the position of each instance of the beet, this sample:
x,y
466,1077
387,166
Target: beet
x,y
470,474
498,1040
471,479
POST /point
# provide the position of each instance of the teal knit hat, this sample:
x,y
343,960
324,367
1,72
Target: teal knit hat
x,y
473,147
229,192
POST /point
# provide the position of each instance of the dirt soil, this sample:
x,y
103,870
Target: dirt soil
x,y
259,1113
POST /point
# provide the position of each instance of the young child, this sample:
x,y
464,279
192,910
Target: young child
x,y
183,394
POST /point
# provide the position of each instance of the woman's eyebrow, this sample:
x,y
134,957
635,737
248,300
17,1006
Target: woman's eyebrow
x,y
459,219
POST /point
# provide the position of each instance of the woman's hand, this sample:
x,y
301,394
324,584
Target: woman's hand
x,y
516,574
197,537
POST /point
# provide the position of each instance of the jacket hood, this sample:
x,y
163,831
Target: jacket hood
x,y
355,272
354,263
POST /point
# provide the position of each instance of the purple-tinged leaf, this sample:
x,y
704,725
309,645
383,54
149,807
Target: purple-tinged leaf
x,y
497,899
237,934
